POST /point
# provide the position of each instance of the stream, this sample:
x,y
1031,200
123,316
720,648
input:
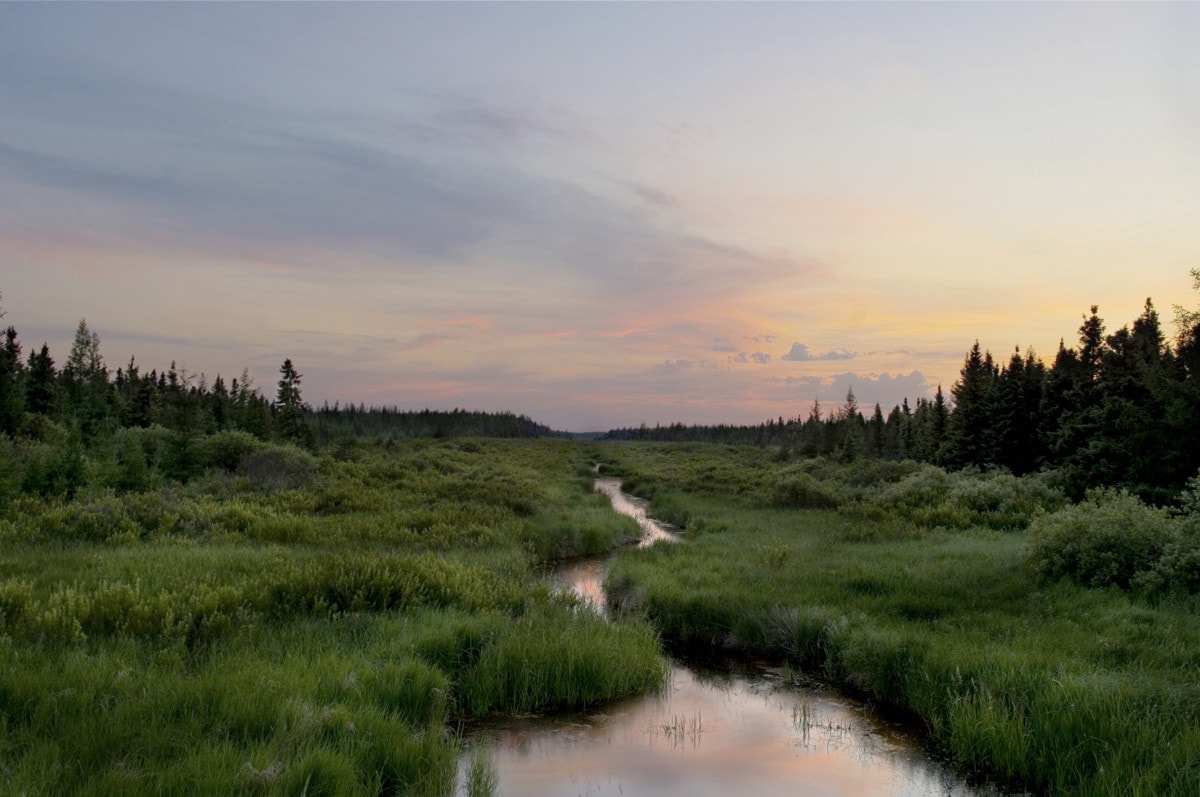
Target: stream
x,y
736,727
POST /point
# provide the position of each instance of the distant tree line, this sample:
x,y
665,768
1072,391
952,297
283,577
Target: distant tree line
x,y
51,415
1119,409
354,421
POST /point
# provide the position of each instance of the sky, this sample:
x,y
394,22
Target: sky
x,y
596,215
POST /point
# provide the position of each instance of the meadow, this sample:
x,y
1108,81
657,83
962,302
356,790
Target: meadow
x,y
1048,646
289,623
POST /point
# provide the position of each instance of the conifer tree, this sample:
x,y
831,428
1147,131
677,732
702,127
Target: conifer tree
x,y
971,421
938,427
12,398
86,380
41,394
289,406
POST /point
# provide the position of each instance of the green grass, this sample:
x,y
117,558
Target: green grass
x,y
323,634
931,608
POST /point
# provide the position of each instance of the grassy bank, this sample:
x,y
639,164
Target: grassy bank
x,y
917,590
304,625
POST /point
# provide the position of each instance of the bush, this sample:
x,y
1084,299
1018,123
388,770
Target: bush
x,y
795,487
1178,569
226,450
1003,501
53,469
275,467
1106,540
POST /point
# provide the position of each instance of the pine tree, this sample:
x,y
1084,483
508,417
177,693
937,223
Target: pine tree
x,y
876,431
938,427
12,394
86,380
1076,394
850,429
41,391
1017,396
971,422
289,406
1133,441
1185,407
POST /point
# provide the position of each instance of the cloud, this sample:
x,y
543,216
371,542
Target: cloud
x,y
672,367
758,357
869,389
425,188
800,353
654,196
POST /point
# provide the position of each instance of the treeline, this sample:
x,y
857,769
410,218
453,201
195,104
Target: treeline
x,y
1120,409
339,422
81,423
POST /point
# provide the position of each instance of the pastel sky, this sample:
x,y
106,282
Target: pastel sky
x,y
597,215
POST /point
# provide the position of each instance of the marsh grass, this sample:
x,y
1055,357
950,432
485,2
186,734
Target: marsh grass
x,y
300,625
931,608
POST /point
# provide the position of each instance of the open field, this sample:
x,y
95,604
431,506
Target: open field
x,y
928,594
318,626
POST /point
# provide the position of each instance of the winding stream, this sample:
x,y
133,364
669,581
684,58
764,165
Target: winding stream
x,y
736,728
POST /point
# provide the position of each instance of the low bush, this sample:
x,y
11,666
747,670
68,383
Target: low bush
x,y
1106,540
795,487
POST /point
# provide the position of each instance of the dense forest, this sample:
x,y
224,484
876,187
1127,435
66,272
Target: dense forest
x,y
1119,409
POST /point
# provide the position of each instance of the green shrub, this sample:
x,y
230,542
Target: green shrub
x,y
226,449
271,468
1106,540
926,487
1177,569
53,469
795,487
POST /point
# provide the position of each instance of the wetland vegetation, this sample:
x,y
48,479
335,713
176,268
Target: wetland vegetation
x,y
328,637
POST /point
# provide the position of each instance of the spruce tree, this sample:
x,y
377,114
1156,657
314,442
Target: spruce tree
x,y
86,380
289,406
41,392
968,442
12,398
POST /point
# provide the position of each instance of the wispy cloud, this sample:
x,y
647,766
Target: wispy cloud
x,y
800,353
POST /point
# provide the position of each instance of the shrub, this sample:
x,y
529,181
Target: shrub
x,y
1106,540
227,449
1001,500
11,472
274,467
53,469
1178,569
927,487
795,487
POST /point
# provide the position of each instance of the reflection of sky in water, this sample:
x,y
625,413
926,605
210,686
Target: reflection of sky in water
x,y
626,504
707,734
705,737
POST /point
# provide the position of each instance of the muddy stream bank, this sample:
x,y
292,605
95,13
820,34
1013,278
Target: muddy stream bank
x,y
720,728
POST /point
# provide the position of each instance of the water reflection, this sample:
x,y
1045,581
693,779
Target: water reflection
x,y
710,731
747,732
